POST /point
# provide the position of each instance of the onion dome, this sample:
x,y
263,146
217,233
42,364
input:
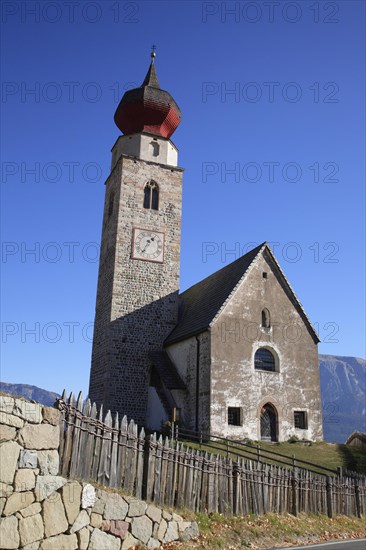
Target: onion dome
x,y
148,108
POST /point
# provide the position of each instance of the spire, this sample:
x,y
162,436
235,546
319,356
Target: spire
x,y
151,78
148,108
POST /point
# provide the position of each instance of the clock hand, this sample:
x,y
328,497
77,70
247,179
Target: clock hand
x,y
147,244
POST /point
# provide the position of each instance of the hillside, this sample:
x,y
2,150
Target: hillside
x,y
343,387
33,393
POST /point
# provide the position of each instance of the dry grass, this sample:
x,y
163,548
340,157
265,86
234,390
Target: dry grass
x,y
269,531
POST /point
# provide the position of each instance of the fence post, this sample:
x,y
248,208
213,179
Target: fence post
x,y
235,486
294,485
357,499
328,488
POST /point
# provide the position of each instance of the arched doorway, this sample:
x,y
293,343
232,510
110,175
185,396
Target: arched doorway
x,y
268,423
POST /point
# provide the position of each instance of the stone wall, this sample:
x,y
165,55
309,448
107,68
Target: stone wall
x,y
41,510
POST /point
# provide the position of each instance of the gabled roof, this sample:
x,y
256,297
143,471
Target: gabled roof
x,y
203,302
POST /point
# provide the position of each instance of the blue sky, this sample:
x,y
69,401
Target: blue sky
x,y
272,141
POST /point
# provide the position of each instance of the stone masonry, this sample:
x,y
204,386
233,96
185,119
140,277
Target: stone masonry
x,y
41,510
137,300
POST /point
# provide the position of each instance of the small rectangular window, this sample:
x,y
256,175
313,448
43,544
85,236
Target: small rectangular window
x,y
301,420
264,275
234,416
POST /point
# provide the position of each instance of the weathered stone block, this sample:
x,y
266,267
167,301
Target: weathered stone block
x,y
154,513
190,531
54,516
7,433
81,521
31,412
11,420
51,416
46,485
96,520
18,501
39,436
49,462
6,404
9,536
60,542
83,538
153,543
116,507
31,529
2,504
9,453
141,528
137,508
25,480
88,496
167,516
159,532
71,496
6,490
99,506
171,532
119,528
32,546
99,540
28,459
31,510
129,542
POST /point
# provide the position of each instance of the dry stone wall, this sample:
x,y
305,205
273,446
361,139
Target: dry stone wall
x,y
40,510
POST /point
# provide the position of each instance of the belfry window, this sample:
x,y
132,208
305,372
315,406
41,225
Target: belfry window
x,y
266,321
151,196
264,360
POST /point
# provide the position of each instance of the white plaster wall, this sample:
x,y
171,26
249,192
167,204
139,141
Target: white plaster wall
x,y
235,337
141,146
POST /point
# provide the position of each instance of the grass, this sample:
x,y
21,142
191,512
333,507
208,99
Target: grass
x,y
329,455
269,531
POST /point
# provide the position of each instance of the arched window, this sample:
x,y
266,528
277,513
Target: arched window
x,y
266,321
151,196
155,148
264,360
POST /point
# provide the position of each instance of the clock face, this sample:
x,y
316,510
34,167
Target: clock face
x,y
148,245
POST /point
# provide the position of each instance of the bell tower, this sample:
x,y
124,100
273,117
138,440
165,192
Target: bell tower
x,y
138,280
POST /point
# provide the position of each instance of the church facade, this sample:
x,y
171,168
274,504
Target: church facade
x,y
234,355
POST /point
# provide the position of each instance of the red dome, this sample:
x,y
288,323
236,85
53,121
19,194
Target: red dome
x,y
148,109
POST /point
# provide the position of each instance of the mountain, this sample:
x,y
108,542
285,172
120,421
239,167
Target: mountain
x,y
33,393
343,389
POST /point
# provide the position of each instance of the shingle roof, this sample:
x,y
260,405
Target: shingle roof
x,y
201,302
151,78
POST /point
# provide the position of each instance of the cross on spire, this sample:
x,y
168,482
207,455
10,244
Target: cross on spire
x,y
153,51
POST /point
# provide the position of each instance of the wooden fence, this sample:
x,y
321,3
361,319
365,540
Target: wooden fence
x,y
116,453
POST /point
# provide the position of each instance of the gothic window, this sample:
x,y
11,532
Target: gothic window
x,y
264,360
266,322
151,196
234,416
301,420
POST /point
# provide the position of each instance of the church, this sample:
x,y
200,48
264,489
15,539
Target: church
x,y
234,355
